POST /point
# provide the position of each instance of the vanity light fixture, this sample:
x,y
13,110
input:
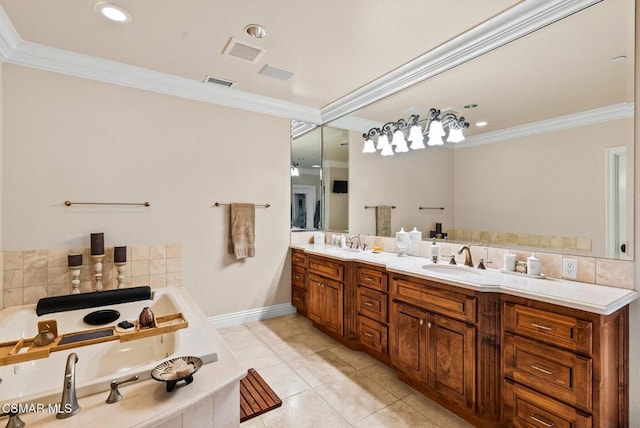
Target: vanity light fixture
x,y
295,172
402,131
113,12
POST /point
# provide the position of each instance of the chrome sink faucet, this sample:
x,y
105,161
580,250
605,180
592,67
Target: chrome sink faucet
x,y
69,403
358,244
467,255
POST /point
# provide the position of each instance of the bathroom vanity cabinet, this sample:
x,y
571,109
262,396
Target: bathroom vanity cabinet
x,y
299,281
492,358
372,303
564,367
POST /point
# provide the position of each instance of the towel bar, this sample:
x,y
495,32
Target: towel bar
x,y
431,208
218,204
368,207
144,204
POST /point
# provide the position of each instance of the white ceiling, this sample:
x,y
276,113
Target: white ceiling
x,y
332,46
345,55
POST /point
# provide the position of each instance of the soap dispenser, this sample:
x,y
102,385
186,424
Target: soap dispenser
x,y
402,241
534,266
434,250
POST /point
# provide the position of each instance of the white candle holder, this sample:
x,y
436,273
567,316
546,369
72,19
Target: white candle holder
x,y
120,266
75,279
97,269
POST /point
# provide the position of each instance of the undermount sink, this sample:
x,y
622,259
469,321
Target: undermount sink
x,y
451,269
350,250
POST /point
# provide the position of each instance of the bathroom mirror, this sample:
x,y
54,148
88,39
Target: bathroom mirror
x,y
552,169
319,178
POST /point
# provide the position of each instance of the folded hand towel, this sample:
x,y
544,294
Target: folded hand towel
x,y
242,230
383,220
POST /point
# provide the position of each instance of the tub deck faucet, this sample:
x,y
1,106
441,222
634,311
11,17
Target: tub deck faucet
x,y
467,254
69,403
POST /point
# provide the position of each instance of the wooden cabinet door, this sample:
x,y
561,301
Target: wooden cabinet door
x,y
451,360
315,298
409,333
332,310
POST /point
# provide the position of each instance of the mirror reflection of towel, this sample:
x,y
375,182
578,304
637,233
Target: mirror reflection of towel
x,y
242,230
383,220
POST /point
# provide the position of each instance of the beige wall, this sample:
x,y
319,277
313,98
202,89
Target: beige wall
x,y
550,184
406,180
69,138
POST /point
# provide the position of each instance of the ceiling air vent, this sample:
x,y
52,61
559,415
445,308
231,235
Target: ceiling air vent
x,y
217,81
276,73
243,51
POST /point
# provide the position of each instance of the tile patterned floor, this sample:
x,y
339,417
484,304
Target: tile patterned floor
x,y
324,384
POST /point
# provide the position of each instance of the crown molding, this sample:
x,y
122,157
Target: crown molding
x,y
354,123
520,20
9,38
575,120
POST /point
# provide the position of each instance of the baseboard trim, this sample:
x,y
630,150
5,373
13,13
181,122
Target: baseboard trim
x,y
236,318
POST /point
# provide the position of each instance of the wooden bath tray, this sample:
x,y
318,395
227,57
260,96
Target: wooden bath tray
x,y
19,351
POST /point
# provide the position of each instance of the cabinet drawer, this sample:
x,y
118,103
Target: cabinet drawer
x,y
299,277
372,334
326,268
558,373
298,258
554,328
372,279
455,305
299,299
372,304
526,408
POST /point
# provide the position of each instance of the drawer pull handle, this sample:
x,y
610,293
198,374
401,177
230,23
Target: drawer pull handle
x,y
368,304
541,327
545,423
429,324
540,369
368,334
368,279
421,322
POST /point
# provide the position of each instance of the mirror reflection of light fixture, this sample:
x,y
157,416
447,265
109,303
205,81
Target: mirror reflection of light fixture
x,y
397,134
295,172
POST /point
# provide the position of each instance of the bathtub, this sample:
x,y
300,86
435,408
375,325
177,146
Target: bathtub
x,y
40,381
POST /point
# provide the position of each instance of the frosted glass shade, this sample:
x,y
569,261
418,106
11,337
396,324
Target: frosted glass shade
x,y
455,136
436,132
416,138
399,142
369,146
386,148
383,141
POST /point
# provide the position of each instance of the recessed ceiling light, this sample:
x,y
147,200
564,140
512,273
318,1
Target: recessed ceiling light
x,y
471,106
618,58
482,123
256,31
113,12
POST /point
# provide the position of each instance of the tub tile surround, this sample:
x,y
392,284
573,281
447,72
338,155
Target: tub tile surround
x,y
27,276
593,270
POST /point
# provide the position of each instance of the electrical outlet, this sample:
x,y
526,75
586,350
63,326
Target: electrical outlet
x,y
570,268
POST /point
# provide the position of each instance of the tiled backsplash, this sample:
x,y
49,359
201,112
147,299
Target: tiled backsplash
x,y
27,276
559,243
601,271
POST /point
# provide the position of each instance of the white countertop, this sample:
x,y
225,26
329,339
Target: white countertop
x,y
594,298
